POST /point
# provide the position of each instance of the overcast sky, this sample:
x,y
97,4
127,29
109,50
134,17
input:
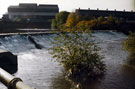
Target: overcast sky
x,y
71,5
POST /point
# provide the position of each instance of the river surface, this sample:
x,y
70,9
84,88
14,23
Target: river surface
x,y
37,68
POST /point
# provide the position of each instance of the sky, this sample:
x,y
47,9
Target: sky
x,y
71,5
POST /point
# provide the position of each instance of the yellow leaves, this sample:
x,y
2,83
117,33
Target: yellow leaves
x,y
76,22
72,20
104,22
86,25
73,23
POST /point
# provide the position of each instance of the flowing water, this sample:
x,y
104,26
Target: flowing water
x,y
37,69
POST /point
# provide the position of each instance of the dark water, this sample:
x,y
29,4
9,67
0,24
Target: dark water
x,y
37,69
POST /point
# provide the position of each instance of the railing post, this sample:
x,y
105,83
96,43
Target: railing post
x,y
12,82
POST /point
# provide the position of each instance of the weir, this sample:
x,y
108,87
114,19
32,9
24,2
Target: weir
x,y
31,39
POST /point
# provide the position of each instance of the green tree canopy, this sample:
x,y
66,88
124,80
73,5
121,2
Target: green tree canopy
x,y
61,17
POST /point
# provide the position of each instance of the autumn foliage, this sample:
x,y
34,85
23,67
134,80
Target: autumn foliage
x,y
74,21
85,25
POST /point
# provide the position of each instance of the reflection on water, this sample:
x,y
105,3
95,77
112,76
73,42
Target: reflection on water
x,y
37,69
60,82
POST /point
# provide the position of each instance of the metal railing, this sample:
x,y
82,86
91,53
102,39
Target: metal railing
x,y
11,81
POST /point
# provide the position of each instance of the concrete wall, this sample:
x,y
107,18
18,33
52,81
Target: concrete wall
x,y
8,61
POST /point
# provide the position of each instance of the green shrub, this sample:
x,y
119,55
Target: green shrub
x,y
78,54
54,24
59,20
129,45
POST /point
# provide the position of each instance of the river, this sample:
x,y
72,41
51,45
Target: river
x,y
37,68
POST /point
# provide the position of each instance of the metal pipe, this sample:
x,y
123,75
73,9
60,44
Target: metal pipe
x,y
12,82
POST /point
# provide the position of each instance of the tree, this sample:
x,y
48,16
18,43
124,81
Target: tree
x,y
62,17
85,25
78,55
112,20
76,51
59,20
87,17
72,20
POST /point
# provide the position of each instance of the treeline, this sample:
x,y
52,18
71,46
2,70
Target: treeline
x,y
65,20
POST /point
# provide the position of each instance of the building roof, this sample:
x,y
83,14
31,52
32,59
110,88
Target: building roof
x,y
48,5
91,10
33,8
120,14
27,5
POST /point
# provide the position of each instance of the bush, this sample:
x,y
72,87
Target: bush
x,y
78,54
129,45
54,24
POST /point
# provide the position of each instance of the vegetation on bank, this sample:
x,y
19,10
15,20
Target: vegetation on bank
x,y
129,46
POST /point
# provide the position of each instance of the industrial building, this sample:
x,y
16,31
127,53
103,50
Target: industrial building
x,y
31,12
122,15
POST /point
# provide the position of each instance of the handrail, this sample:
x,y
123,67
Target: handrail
x,y
11,81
